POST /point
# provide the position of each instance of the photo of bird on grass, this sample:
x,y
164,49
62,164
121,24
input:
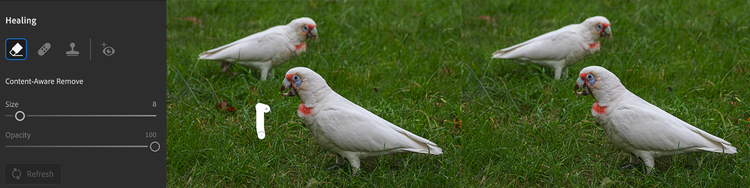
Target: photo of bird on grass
x,y
391,109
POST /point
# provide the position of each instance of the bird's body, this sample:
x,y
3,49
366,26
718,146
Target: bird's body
x,y
560,48
640,128
346,129
266,49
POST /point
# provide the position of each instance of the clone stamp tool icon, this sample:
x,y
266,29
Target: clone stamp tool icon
x,y
15,49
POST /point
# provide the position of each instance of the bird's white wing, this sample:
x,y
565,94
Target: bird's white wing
x,y
258,47
648,127
554,45
353,128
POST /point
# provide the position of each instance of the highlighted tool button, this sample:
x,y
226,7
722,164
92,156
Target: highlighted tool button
x,y
15,49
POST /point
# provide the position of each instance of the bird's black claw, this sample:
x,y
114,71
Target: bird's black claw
x,y
334,167
629,166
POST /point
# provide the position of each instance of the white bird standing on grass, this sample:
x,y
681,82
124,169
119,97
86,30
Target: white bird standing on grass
x,y
638,127
344,128
561,48
267,49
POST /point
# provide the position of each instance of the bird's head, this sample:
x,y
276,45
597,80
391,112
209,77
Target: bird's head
x,y
303,82
599,26
597,81
305,27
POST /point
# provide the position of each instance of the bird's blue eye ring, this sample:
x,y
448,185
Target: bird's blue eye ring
x,y
304,28
295,78
598,27
589,77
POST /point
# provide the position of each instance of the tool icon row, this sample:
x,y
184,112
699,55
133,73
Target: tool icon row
x,y
16,49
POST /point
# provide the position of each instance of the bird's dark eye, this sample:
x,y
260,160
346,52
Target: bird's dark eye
x,y
590,80
598,27
295,78
304,28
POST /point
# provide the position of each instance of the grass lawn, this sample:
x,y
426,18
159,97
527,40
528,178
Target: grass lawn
x,y
425,66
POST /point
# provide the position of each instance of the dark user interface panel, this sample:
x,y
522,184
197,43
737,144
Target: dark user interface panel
x,y
83,94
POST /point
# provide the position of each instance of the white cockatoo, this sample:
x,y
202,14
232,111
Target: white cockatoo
x,y
267,49
344,128
561,48
638,127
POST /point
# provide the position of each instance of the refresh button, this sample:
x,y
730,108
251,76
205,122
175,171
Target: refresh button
x,y
16,174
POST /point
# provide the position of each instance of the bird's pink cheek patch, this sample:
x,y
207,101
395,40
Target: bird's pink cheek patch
x,y
300,46
305,110
594,45
599,109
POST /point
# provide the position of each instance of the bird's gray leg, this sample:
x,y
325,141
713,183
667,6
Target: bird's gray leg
x,y
354,162
264,72
339,162
633,162
649,162
225,66
558,69
353,159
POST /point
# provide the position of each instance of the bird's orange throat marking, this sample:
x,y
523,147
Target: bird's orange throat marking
x,y
305,110
300,46
594,45
599,109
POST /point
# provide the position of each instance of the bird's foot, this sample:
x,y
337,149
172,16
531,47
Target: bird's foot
x,y
629,166
334,167
225,66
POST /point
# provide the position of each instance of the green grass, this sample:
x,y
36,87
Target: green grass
x,y
422,64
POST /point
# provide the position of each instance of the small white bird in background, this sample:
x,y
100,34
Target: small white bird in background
x,y
638,127
267,49
344,128
561,48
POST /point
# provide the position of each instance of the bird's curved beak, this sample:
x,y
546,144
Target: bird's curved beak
x,y
288,85
581,84
313,33
607,31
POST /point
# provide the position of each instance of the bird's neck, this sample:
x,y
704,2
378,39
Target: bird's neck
x,y
315,97
609,96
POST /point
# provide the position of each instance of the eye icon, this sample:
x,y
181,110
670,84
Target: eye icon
x,y
108,50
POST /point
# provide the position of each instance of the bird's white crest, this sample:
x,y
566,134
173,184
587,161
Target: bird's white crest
x,y
266,49
346,129
640,128
560,48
